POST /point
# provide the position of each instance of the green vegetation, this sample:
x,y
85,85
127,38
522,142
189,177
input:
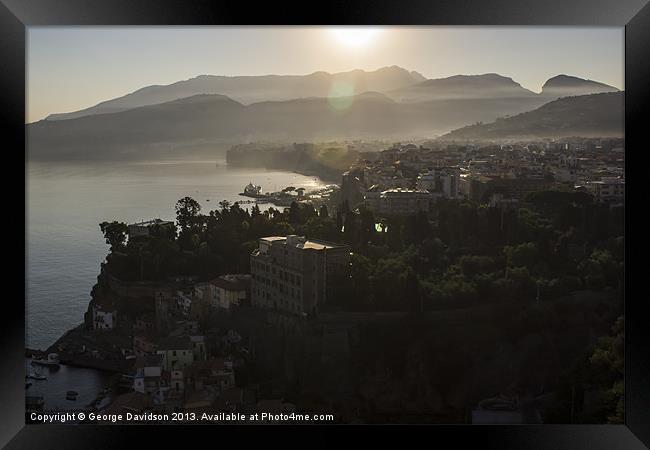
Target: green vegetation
x,y
549,274
461,255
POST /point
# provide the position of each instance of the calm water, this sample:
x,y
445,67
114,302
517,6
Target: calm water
x,y
87,382
65,204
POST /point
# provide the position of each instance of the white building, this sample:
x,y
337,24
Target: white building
x,y
104,316
230,290
608,190
400,202
444,180
295,275
148,375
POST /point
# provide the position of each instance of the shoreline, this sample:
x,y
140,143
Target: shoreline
x,y
324,177
40,339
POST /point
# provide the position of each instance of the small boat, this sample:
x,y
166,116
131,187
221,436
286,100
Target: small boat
x,y
36,376
71,395
51,360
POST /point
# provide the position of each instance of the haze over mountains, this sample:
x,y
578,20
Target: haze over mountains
x,y
252,89
595,115
210,112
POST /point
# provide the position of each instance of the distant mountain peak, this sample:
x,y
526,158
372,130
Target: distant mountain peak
x,y
481,86
565,85
482,79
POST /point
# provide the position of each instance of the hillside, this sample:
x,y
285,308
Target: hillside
x,y
187,119
212,122
595,115
252,89
397,83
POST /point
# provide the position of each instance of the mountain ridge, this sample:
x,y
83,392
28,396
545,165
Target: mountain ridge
x,y
207,121
396,82
250,89
592,115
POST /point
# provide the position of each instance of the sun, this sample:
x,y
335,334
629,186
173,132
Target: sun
x,y
357,37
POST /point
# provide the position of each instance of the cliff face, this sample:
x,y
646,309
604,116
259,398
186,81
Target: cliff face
x,y
129,298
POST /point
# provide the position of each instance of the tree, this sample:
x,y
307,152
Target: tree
x,y
523,255
115,234
411,289
367,227
472,266
187,211
323,213
600,270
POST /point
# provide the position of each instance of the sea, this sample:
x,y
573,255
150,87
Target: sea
x,y
66,203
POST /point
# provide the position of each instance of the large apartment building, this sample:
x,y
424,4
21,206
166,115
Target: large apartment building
x,y
397,202
294,274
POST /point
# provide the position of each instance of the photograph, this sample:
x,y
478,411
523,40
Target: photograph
x,y
329,225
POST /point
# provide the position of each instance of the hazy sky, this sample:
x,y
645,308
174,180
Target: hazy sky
x,y
70,68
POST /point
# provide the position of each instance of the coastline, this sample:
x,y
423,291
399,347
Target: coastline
x,y
78,334
332,176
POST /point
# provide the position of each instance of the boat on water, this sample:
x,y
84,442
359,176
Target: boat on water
x,y
71,395
36,376
252,190
51,360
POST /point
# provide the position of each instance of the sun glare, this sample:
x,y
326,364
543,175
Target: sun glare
x,y
355,37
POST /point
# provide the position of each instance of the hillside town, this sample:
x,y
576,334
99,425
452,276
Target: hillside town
x,y
408,178
231,343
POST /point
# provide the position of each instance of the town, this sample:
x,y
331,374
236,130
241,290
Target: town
x,y
272,312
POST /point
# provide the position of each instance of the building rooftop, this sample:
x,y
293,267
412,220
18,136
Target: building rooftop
x,y
232,282
302,242
273,238
317,245
151,222
400,191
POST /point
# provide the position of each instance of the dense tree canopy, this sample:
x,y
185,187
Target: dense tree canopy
x,y
460,256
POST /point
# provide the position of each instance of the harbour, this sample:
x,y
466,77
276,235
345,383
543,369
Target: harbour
x,y
65,388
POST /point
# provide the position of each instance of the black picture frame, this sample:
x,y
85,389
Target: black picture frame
x,y
634,15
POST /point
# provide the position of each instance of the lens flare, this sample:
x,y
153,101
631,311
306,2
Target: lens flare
x,y
341,95
355,37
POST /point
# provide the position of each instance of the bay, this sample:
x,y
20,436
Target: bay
x,y
66,203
